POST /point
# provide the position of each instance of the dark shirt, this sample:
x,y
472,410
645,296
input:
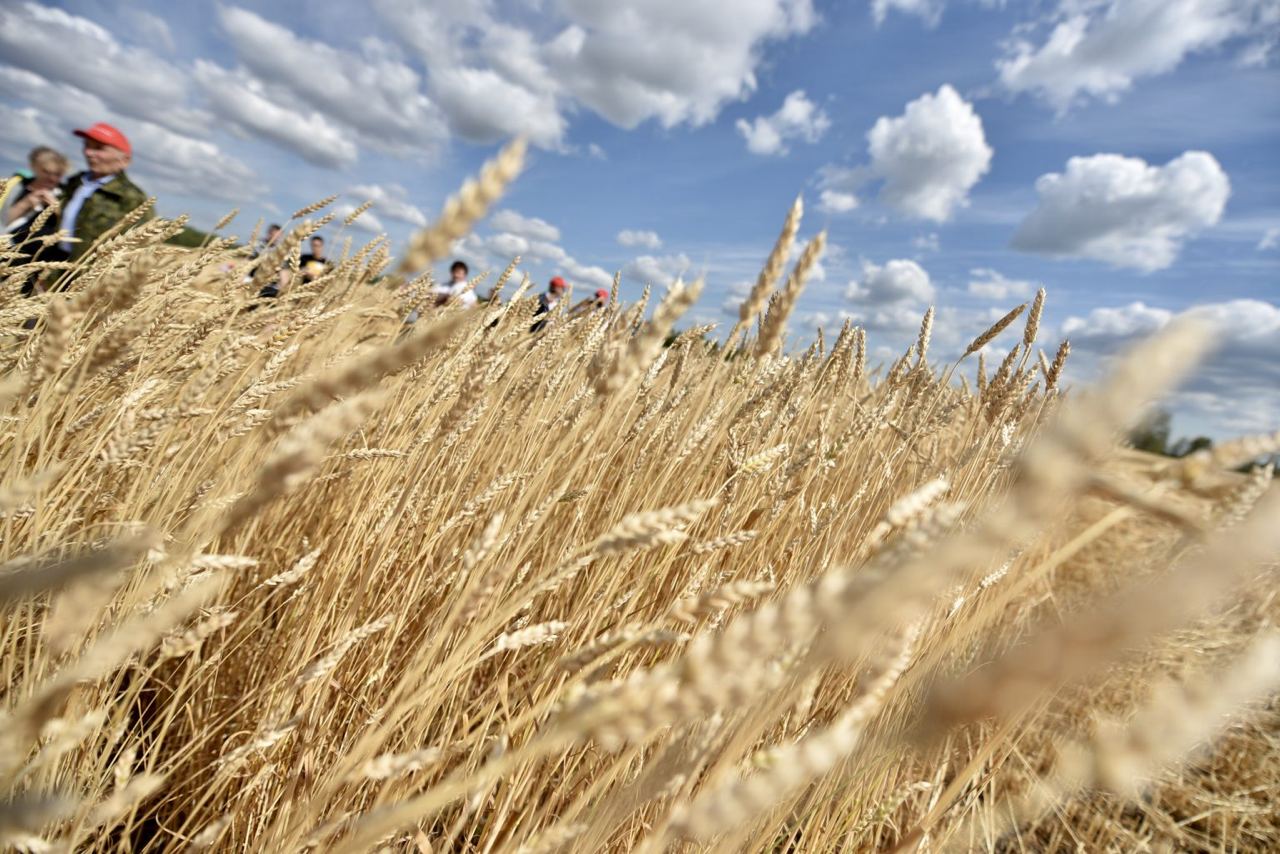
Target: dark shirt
x,y
24,237
308,258
544,307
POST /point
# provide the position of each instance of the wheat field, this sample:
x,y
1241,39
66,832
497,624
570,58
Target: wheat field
x,y
285,576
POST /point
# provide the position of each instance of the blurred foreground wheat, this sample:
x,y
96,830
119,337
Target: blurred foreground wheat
x,y
280,577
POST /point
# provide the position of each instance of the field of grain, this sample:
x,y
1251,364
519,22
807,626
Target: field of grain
x,y
284,576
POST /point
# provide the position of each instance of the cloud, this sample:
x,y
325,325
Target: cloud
x,y
926,242
528,227
367,221
831,252
930,156
1269,240
490,79
892,318
390,200
1098,49
677,62
735,294
535,241
68,49
1128,321
21,129
897,281
1123,211
241,99
632,237
1234,390
797,119
151,28
929,10
990,284
657,270
483,106
836,202
374,94
586,274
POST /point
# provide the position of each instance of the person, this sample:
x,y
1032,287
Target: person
x,y
555,290
314,264
595,302
38,188
269,240
22,219
454,290
102,195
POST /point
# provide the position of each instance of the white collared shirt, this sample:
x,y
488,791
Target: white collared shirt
x,y
451,288
71,210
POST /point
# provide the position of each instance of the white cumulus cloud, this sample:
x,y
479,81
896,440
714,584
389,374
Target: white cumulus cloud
x,y
536,242
991,284
634,237
242,100
528,227
896,281
1124,211
927,242
1233,391
660,270
373,93
930,156
929,10
1098,49
836,201
797,119
1136,318
676,62
367,221
484,106
390,200
65,48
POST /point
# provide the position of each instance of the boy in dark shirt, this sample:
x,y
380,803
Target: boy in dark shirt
x,y
314,264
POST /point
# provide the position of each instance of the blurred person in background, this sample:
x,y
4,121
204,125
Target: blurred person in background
x,y
272,289
314,264
547,301
269,240
595,302
39,191
454,290
102,195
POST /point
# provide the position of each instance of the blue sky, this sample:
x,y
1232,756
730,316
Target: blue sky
x,y
1121,153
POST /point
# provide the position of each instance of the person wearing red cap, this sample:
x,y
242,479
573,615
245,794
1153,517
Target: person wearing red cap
x,y
595,302
548,301
102,195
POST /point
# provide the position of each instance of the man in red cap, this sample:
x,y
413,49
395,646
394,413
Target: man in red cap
x,y
595,302
548,301
102,195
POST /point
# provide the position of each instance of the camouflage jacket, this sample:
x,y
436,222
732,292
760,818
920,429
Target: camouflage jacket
x,y
107,206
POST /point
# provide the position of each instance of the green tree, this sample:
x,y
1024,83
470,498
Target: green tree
x,y
1152,435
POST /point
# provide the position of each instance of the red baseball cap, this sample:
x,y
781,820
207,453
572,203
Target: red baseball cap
x,y
558,282
107,135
